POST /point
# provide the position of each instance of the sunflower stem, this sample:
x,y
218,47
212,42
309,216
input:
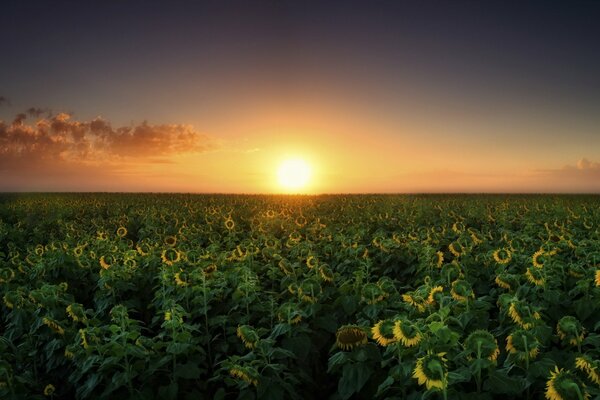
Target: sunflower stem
x,y
479,368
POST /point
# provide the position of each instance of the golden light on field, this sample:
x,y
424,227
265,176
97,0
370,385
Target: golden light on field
x,y
293,175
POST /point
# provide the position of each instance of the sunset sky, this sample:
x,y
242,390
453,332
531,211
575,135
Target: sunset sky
x,y
422,96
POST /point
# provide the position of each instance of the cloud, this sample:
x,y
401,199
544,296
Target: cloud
x,y
4,101
64,140
586,165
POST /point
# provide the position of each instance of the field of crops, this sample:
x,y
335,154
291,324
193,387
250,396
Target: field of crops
x,y
366,297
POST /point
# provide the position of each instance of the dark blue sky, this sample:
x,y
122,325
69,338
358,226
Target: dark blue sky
x,y
84,55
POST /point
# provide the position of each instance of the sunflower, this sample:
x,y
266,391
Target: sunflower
x,y
121,232
52,324
39,250
247,374
106,261
100,235
431,299
440,259
564,385
229,223
535,276
248,336
210,269
311,262
285,267
523,344
431,371
76,312
570,329
6,275
521,315
78,250
383,332
502,256
178,279
535,259
143,249
170,240
597,278
289,313
461,290
407,333
300,221
68,353
454,250
348,337
170,256
482,344
49,390
590,367
326,273
417,302
505,281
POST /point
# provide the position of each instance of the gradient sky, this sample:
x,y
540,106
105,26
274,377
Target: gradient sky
x,y
377,96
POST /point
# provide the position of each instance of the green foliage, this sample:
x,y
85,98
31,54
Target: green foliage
x,y
268,297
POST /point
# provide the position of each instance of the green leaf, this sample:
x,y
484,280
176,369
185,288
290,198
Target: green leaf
x,y
187,371
500,383
389,381
168,392
339,358
459,375
354,377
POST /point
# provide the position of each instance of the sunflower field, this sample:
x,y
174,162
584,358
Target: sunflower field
x,y
155,296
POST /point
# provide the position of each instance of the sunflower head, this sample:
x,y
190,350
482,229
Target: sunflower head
x,y
439,259
539,258
106,261
121,231
507,281
6,275
170,240
502,256
248,336
311,261
49,390
535,276
431,371
407,333
76,312
569,329
482,344
564,385
434,294
246,373
522,314
590,367
383,332
461,290
170,256
290,313
523,345
597,278
326,273
348,337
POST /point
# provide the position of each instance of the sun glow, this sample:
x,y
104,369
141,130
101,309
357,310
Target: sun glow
x,y
293,175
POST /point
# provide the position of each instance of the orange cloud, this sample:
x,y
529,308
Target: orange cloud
x,y
61,139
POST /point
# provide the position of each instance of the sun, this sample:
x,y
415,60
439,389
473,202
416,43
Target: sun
x,y
293,174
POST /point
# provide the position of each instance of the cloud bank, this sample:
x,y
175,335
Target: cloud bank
x,y
61,139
